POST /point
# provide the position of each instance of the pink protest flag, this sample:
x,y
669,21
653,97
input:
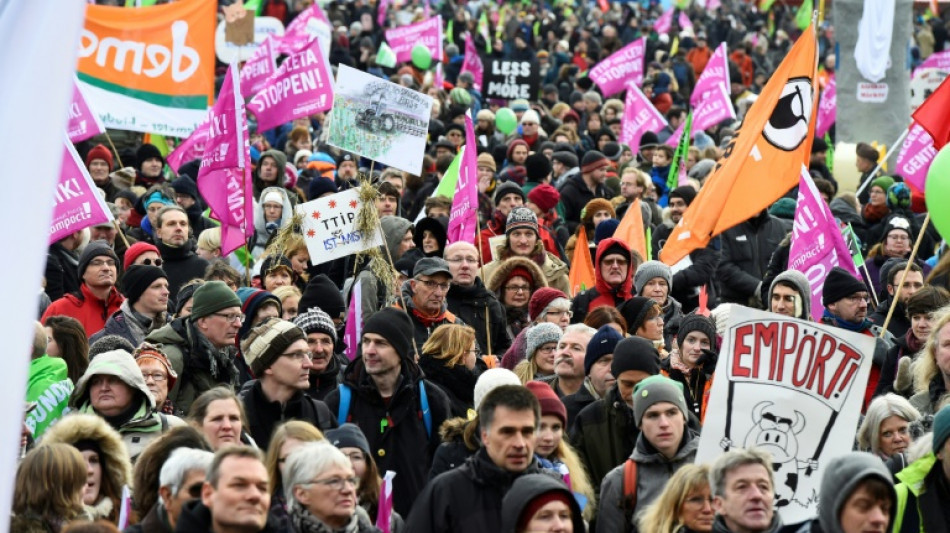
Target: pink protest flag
x,y
381,13
625,66
438,79
938,60
463,220
713,110
259,67
664,22
713,4
385,511
191,148
427,33
913,161
473,62
78,205
224,178
827,109
301,87
684,21
817,245
715,74
311,22
639,117
354,322
83,123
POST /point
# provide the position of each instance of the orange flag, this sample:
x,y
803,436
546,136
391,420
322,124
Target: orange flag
x,y
581,276
630,230
764,159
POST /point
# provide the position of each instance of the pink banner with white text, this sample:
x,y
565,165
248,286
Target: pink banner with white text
x,y
620,68
427,33
259,67
463,220
639,117
827,109
715,74
83,123
713,110
78,204
915,157
301,87
473,62
190,149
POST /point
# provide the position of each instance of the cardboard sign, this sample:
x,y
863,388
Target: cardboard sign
x,y
510,80
329,227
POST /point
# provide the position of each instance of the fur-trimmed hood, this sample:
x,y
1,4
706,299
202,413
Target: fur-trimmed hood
x,y
76,427
502,271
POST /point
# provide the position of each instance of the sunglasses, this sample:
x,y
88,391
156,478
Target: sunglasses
x,y
150,262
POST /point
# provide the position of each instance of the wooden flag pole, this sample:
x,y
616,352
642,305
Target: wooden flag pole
x,y
910,261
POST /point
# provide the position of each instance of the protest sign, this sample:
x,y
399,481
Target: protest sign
x,y
78,204
379,120
639,117
427,33
149,69
83,123
714,75
915,157
191,148
329,227
711,111
510,79
623,67
793,389
827,109
301,86
260,66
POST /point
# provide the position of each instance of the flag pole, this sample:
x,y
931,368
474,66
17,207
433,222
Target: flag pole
x,y
116,152
910,261
898,142
478,239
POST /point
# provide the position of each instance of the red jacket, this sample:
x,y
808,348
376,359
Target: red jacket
x,y
607,295
90,311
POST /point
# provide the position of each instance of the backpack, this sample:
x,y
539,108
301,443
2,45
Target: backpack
x,y
346,396
629,499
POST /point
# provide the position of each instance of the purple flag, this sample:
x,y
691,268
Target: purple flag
x,y
713,110
427,33
817,244
917,152
715,74
224,179
259,67
639,117
78,203
625,66
354,322
473,62
301,86
463,221
827,108
83,123
191,148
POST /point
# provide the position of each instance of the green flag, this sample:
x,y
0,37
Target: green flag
x,y
385,57
680,155
855,245
803,16
765,5
830,153
254,5
446,187
649,243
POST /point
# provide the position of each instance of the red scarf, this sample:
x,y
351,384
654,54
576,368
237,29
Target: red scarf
x,y
428,320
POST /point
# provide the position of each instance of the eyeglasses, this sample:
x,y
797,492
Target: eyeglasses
x,y
898,238
469,260
299,355
615,261
156,262
433,285
518,288
157,377
236,317
858,298
564,312
547,349
99,262
337,483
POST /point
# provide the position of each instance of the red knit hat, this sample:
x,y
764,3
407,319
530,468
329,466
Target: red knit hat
x,y
99,152
136,250
541,299
550,403
536,505
544,196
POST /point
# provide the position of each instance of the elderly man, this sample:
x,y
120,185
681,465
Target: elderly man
x,y
97,297
569,356
180,482
424,294
613,276
145,307
200,346
472,302
742,487
598,356
173,239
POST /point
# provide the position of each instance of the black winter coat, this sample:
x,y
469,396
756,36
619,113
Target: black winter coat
x,y
62,272
574,196
458,383
181,264
746,250
471,305
196,518
604,435
324,383
263,415
575,403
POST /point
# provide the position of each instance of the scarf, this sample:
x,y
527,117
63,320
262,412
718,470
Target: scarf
x,y
428,320
914,344
874,213
676,362
858,327
305,522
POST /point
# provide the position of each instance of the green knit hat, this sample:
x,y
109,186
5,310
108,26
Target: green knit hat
x,y
212,297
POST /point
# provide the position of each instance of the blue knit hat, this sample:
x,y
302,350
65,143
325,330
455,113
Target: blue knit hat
x,y
602,343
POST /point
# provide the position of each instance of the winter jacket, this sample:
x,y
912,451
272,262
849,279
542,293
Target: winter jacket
x,y
881,345
199,365
127,324
719,526
899,324
325,382
575,195
555,270
746,250
692,273
423,326
402,443
263,233
476,305
604,434
263,415
575,403
90,311
281,159
62,271
672,313
49,387
196,518
653,471
458,383
601,293
697,385
873,276
921,498
467,499
455,448
181,264
525,490
155,521
926,401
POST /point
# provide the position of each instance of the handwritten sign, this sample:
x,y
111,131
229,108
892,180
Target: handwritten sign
x,y
329,227
510,80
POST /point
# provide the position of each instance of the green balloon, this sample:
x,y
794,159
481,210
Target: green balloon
x,y
937,190
421,57
506,121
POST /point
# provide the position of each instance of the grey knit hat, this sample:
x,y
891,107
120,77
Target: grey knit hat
x,y
800,283
267,341
521,218
316,321
650,270
540,335
656,389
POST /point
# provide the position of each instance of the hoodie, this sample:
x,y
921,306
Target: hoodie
x,y
800,282
602,293
281,159
842,476
263,232
373,295
525,490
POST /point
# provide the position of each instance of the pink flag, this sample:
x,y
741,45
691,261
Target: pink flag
x,y
664,22
827,108
385,511
684,21
78,204
463,221
381,13
311,22
259,67
427,33
224,179
712,111
301,86
917,152
191,148
817,244
438,79
939,60
713,4
639,117
83,123
715,74
354,322
622,67
473,62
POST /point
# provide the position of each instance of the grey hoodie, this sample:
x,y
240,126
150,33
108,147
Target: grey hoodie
x,y
841,478
261,234
800,282
394,229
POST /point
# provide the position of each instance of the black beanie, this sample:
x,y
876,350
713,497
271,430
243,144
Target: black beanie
x,y
147,151
537,167
686,192
393,325
634,311
694,322
839,284
186,185
322,293
184,294
138,278
635,353
93,250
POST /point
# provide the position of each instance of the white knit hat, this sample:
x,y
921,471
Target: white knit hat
x,y
492,379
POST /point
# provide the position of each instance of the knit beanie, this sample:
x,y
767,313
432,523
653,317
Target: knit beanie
x,y
634,311
252,300
842,475
486,160
550,403
656,389
267,341
686,192
147,151
531,116
694,322
537,167
650,270
135,251
899,196
635,353
316,321
606,230
506,188
393,325
539,335
137,279
566,158
99,152
604,342
93,250
522,218
941,428
148,352
322,293
544,196
801,284
512,145
320,186
897,223
212,297
348,436
839,284
884,182
783,208
276,261
109,343
184,294
592,161
541,299
649,139
186,185
490,380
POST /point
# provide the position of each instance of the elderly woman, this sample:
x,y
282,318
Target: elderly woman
x,y
514,281
158,373
540,503
286,438
523,239
219,415
49,489
885,430
321,489
541,347
449,358
684,506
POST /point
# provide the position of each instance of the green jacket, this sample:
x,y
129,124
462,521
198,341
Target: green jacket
x,y
50,388
916,494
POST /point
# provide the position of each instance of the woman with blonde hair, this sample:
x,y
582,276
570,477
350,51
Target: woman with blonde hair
x,y
289,297
541,345
286,438
932,367
449,358
208,246
49,488
684,506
